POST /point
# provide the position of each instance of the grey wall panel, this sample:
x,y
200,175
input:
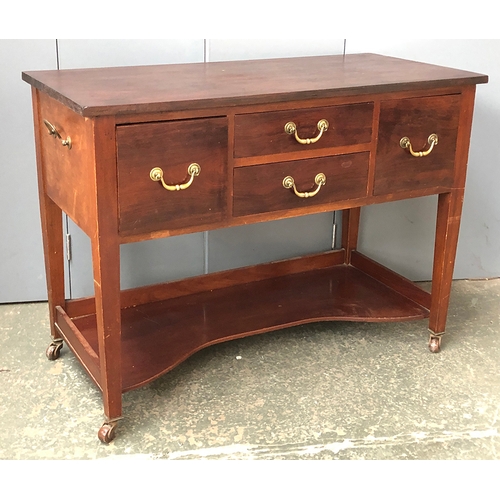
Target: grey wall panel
x,y
105,53
478,253
269,241
150,261
227,50
404,225
142,263
22,273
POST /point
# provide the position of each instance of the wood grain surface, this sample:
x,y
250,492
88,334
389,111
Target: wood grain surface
x,y
143,89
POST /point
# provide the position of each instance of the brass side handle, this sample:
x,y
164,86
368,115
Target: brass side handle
x,y
291,129
193,170
55,133
319,180
406,144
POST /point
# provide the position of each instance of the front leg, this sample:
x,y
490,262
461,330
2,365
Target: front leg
x,y
106,267
447,229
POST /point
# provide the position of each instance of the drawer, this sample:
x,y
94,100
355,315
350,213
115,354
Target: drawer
x,y
417,118
264,133
144,204
259,189
68,171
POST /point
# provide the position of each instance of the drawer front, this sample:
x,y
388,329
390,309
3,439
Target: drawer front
x,y
396,169
144,204
259,188
264,133
68,171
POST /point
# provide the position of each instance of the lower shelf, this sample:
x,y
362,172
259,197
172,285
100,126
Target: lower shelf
x,y
157,336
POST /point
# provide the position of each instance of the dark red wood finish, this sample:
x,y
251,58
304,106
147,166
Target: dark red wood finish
x,y
153,89
259,189
229,118
263,133
182,326
396,169
209,282
106,266
350,228
52,228
68,173
146,206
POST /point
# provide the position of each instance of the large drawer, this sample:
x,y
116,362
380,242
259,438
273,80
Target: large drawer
x,y
264,133
144,204
260,188
417,118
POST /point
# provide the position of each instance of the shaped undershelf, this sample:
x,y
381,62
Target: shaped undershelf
x,y
157,336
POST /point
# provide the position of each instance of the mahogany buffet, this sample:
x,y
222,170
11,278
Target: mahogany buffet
x,y
135,153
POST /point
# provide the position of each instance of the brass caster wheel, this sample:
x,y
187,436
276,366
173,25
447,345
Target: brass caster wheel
x,y
54,350
106,433
434,343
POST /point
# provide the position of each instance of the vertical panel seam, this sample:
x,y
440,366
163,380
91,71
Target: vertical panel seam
x,y
205,233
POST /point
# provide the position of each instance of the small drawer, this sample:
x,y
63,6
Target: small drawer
x,y
261,188
416,119
66,150
145,205
259,134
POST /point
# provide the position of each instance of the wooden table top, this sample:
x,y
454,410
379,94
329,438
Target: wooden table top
x,y
171,87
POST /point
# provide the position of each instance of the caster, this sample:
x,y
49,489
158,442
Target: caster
x,y
434,343
54,350
107,433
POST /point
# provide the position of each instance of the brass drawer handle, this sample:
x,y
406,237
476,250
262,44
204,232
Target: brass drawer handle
x,y
54,132
156,174
319,180
406,144
291,128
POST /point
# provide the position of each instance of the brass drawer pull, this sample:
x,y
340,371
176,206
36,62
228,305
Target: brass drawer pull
x,y
156,174
54,132
319,180
406,144
291,128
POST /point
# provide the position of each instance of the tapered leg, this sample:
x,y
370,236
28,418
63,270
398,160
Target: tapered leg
x,y
447,229
350,229
52,235
106,262
106,266
53,242
448,225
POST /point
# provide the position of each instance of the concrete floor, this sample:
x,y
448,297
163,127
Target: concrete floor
x,y
317,392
